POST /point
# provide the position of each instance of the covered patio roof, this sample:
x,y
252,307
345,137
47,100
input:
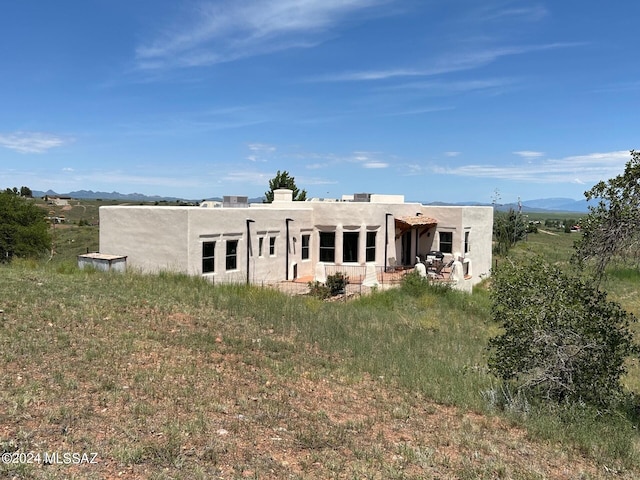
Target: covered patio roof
x,y
414,221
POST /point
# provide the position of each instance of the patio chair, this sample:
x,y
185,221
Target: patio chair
x,y
392,265
438,271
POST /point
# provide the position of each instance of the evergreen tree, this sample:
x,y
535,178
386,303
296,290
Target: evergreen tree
x,y
284,180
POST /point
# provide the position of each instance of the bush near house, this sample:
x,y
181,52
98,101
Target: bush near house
x,y
24,232
336,284
563,340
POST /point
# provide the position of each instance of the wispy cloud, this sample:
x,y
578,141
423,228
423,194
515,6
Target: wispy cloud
x,y
260,152
375,165
179,123
31,142
529,13
227,30
529,154
247,177
451,154
417,111
449,63
454,87
69,179
574,169
368,160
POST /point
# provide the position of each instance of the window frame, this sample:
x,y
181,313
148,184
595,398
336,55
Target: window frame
x,y
370,246
260,246
231,256
305,248
351,240
327,253
209,259
272,246
442,242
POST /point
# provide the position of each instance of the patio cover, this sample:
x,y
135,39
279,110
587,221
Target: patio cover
x,y
416,221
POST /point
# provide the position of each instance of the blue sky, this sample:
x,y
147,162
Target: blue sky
x,y
444,100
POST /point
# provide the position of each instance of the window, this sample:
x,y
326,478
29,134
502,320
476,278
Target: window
x,y
260,245
446,242
208,257
305,246
327,246
371,247
350,246
467,246
272,246
232,254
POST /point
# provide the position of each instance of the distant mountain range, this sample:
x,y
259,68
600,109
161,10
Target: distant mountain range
x,y
133,197
558,204
538,205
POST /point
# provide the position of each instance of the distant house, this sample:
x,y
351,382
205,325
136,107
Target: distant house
x,y
284,240
59,201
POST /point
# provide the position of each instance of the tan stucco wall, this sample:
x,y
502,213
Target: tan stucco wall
x,y
171,238
152,238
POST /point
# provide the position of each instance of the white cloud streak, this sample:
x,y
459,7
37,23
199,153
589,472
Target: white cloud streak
x,y
31,142
530,13
223,31
529,154
375,165
580,169
455,62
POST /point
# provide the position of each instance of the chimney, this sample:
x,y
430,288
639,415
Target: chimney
x,y
281,195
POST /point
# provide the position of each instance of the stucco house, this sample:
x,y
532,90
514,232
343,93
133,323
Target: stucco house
x,y
284,240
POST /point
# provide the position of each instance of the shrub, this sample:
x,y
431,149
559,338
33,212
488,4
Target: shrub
x,y
413,284
24,231
319,290
335,285
563,340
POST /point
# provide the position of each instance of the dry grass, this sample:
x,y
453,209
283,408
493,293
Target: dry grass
x,y
162,380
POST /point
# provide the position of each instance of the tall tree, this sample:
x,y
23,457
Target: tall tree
x,y
508,229
612,228
24,232
284,180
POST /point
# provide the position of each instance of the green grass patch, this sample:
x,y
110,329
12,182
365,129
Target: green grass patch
x,y
162,366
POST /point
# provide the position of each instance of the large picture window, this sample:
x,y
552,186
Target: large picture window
x,y
327,246
371,247
305,247
208,257
232,254
350,246
446,242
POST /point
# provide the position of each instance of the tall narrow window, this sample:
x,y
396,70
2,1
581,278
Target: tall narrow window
x,y
208,257
371,247
305,247
260,246
350,246
446,242
467,245
272,246
232,254
327,247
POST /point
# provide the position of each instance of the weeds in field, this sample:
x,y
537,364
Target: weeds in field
x,y
168,376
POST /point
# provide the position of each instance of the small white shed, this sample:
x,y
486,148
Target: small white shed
x,y
103,262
